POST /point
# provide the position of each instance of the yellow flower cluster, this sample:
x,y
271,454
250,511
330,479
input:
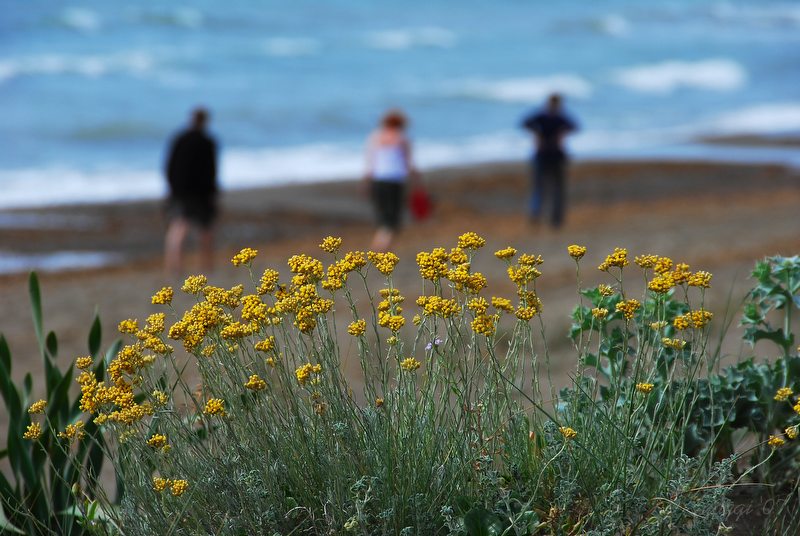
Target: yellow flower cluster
x,y
160,397
675,344
793,431
693,319
390,321
304,302
73,431
304,372
37,407
33,432
245,256
255,383
471,240
505,253
268,282
775,442
644,387
176,487
646,261
661,284
309,268
628,308
215,406
783,394
357,328
700,279
502,304
410,364
157,441
681,273
568,432
236,330
223,297
662,265
194,284
438,306
484,324
338,271
433,264
605,290
266,345
618,258
195,324
576,252
478,305
83,363
599,313
155,323
658,325
458,256
128,326
163,296
526,313
523,274
331,244
383,262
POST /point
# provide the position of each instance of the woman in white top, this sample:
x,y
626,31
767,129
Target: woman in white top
x,y
389,169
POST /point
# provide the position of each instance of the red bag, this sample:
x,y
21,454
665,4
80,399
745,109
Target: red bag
x,y
420,203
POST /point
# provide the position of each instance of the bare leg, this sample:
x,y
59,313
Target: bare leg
x,y
382,240
173,246
207,250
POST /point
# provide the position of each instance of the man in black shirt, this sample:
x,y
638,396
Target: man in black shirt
x,y
191,171
549,127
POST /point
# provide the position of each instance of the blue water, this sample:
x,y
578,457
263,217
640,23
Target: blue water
x,y
90,91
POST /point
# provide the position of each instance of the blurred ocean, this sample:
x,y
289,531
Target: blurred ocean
x,y
92,90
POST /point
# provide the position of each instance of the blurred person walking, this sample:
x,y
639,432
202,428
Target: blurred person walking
x,y
191,171
389,170
549,127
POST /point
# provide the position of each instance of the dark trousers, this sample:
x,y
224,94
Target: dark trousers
x,y
549,186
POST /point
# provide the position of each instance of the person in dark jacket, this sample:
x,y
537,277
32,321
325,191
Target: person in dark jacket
x,y
191,171
549,127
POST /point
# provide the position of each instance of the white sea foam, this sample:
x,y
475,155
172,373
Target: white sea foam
x,y
11,262
403,39
92,66
770,118
522,90
81,19
777,15
291,46
666,77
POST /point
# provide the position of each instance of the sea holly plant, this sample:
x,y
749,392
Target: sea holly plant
x,y
51,472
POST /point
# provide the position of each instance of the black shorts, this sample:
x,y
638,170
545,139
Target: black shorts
x,y
389,198
200,211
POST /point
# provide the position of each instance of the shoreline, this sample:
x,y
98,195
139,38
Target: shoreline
x,y
108,235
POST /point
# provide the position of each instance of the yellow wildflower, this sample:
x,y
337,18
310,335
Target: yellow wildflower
x,y
568,432
163,296
775,442
618,258
160,484
470,240
178,487
383,262
505,253
83,363
160,397
659,325
502,304
661,284
128,326
525,313
644,387
783,394
605,290
646,261
194,284
304,372
269,282
215,406
792,431
681,273
37,407
357,327
530,260
675,344
628,308
266,345
484,324
393,322
410,364
378,402
700,279
33,432
73,431
417,320
245,256
157,441
599,313
576,252
662,265
458,256
331,244
255,383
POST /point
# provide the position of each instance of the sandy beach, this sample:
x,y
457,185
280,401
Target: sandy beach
x,y
717,217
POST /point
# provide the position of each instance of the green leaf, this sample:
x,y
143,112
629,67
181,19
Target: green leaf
x,y
95,336
5,354
51,343
481,522
36,306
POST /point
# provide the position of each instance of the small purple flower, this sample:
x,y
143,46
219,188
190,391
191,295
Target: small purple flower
x,y
436,342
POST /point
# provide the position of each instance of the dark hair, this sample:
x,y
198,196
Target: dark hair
x,y
199,117
394,119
